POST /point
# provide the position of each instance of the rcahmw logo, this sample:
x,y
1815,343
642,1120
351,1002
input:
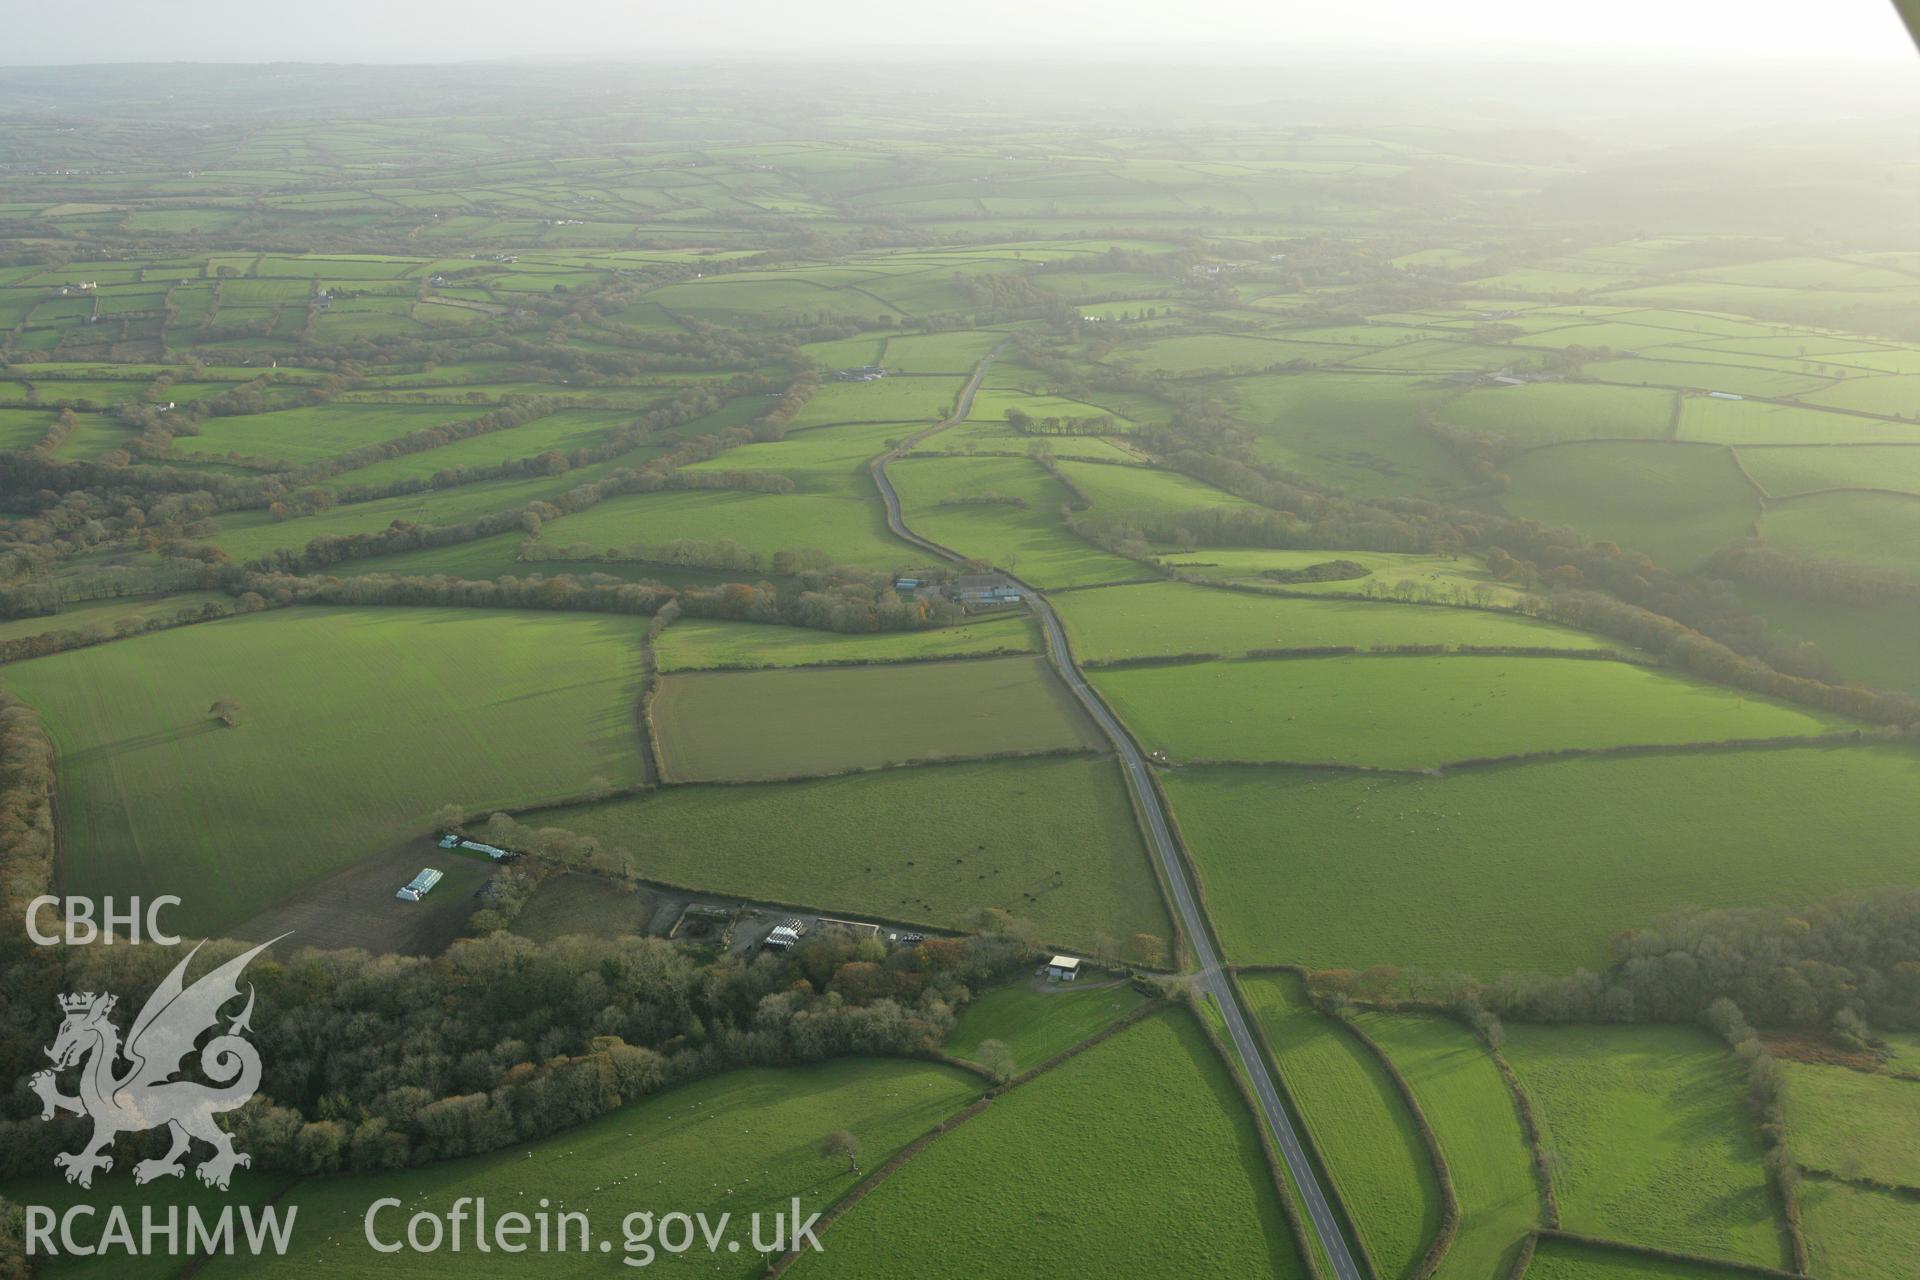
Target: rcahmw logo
x,y
144,1095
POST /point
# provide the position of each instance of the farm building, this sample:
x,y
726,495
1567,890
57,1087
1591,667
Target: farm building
x,y
1063,969
989,597
864,373
1723,395
984,590
422,884
453,841
785,935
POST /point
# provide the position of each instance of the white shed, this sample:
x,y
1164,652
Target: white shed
x,y
1063,969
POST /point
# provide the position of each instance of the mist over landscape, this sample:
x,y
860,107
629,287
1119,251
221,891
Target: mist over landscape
x,y
852,641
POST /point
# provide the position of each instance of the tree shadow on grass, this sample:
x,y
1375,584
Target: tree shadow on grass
x,y
142,742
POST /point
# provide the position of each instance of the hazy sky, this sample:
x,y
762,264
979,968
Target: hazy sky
x,y
469,29
456,30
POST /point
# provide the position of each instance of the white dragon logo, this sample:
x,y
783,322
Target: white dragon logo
x,y
144,1097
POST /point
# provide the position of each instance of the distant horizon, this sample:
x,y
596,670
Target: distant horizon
x,y
1175,54
446,32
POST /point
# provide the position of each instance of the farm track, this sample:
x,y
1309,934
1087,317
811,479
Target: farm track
x,y
1210,974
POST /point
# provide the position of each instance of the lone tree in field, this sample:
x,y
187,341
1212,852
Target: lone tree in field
x,y
842,1143
996,1058
227,712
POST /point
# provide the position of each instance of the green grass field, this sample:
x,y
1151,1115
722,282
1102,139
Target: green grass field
x,y
1420,712
1166,618
820,460
1113,490
498,556
849,530
1756,422
1862,1233
1678,504
563,431
1895,394
752,299
1052,841
1783,472
695,644
953,352
21,428
991,403
249,535
1854,1124
1649,1137
1473,1117
1032,540
1194,353
248,1189
750,725
1866,643
96,435
597,906
357,726
314,432
1362,432
740,1143
1035,1023
1136,1158
1377,1163
102,615
898,399
1544,412
1448,577
1434,355
1505,868
1902,1054
1878,530
1566,1260
1708,373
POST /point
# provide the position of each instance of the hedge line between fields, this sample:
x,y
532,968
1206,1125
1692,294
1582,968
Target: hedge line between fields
x,y
1430,1261
1102,586
63,639
1036,753
866,1186
643,713
1138,1014
1664,1255
1523,1260
872,1181
1375,651
797,908
828,663
1276,1167
1845,737
1079,501
1187,864
1308,1142
1530,1125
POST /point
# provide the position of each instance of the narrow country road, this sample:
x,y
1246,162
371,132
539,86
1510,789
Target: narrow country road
x,y
1185,900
